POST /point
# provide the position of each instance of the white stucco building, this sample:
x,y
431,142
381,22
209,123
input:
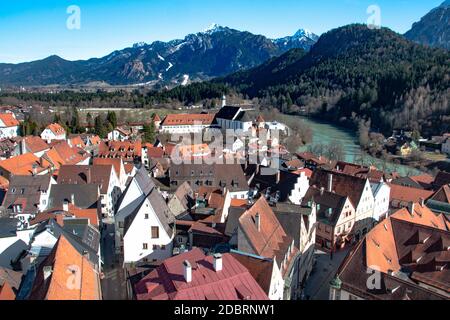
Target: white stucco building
x,y
53,131
9,126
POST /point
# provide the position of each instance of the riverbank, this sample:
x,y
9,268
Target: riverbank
x,y
326,133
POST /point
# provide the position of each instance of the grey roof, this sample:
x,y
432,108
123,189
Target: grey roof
x,y
227,112
13,278
266,182
230,176
8,227
28,188
291,218
86,195
185,195
234,213
326,201
85,240
145,183
160,207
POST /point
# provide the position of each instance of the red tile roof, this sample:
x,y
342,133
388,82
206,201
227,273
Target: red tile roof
x,y
72,278
56,128
167,282
188,119
270,240
35,144
8,119
6,292
408,194
22,165
115,162
155,152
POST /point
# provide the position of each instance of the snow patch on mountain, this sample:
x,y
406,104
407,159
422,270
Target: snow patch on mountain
x,y
161,58
169,67
185,80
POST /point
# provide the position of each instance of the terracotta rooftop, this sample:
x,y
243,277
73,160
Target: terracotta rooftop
x,y
35,144
8,120
188,119
6,292
443,194
74,212
56,128
23,164
407,194
270,240
66,265
403,247
127,150
167,282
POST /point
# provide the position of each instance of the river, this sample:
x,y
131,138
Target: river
x,y
326,133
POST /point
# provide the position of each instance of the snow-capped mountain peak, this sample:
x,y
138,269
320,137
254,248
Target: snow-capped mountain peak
x,y
214,27
304,33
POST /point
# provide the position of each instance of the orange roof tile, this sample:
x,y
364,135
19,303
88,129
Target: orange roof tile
x,y
6,292
22,164
239,203
8,120
188,119
270,240
408,194
56,128
35,144
422,215
72,278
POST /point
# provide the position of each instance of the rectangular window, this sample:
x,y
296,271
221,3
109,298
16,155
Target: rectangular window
x,y
145,246
155,232
163,247
146,216
155,247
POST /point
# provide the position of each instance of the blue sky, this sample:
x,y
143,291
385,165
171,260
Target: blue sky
x,y
31,30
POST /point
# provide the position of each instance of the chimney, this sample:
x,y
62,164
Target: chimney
x,y
217,262
88,175
48,270
23,146
187,271
330,182
422,202
66,206
258,221
411,208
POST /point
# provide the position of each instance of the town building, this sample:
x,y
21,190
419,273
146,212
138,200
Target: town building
x,y
402,258
103,175
186,123
335,218
357,189
194,276
52,132
223,176
26,196
24,165
66,274
9,126
260,233
235,118
143,222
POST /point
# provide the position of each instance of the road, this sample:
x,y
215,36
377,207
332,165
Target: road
x,y
317,286
113,284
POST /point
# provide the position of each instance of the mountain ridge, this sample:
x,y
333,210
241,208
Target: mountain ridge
x,y
217,51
